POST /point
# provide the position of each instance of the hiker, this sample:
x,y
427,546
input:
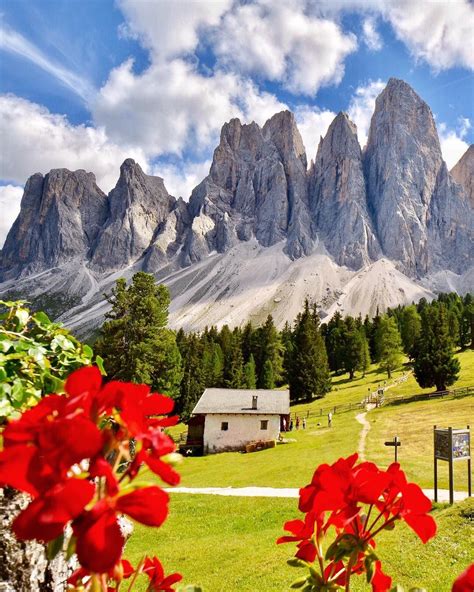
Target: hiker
x,y
297,422
329,419
304,423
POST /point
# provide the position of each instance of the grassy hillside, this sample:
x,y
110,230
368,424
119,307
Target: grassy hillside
x,y
228,543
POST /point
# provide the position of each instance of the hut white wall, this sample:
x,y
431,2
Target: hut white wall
x,y
242,430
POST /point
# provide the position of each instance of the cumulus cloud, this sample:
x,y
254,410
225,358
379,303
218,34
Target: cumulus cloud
x,y
313,124
453,145
180,179
370,34
170,27
171,107
38,141
10,198
439,33
362,105
280,41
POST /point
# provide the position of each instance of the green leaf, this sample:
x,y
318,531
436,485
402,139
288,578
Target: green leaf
x,y
299,583
22,315
99,361
295,562
42,318
87,350
54,547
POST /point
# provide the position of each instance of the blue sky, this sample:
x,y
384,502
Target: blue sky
x,y
86,83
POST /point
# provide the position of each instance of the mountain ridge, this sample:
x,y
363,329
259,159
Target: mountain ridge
x,y
395,200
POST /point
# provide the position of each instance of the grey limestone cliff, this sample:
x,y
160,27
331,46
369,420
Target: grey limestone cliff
x,y
338,198
60,218
463,173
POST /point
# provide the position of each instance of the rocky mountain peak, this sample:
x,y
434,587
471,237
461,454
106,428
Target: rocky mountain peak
x,y
463,172
337,196
282,130
136,206
60,218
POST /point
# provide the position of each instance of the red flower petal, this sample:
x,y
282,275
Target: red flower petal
x,y
465,581
380,582
99,539
101,468
83,381
45,517
423,525
148,505
163,470
16,468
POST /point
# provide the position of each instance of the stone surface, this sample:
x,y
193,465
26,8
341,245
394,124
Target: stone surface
x,y
338,198
463,172
138,204
402,161
60,218
23,565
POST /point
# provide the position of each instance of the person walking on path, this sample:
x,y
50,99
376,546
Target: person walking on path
x,y
297,423
329,419
304,423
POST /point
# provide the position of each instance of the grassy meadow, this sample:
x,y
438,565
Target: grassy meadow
x,y
228,543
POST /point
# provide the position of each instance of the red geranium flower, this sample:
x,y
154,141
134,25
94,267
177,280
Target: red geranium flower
x,y
158,582
465,581
45,517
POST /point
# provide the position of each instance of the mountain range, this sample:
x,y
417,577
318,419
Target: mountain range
x,y
355,230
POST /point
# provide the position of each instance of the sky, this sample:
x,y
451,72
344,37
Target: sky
x,y
88,83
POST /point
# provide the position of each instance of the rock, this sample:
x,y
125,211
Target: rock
x,y
402,161
60,218
138,204
463,173
23,564
338,199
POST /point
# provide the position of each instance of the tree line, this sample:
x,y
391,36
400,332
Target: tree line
x,y
137,345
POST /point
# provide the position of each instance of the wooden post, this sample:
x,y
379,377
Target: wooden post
x,y
435,466
451,485
469,477
396,448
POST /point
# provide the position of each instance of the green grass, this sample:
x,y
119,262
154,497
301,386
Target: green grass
x,y
413,424
227,543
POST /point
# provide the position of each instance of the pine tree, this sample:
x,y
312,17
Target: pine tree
x,y
309,374
234,364
365,358
434,361
389,345
268,378
134,340
193,383
287,344
353,347
466,326
268,346
410,327
249,373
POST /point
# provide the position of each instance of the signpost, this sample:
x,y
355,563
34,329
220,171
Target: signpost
x,y
451,445
395,443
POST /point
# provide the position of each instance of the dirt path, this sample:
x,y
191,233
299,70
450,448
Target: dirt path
x,y
361,418
443,494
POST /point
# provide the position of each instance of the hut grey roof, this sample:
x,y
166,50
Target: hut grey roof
x,y
238,401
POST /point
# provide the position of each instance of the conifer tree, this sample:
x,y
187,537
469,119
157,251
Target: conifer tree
x,y
309,375
434,361
365,358
353,347
268,346
234,363
268,378
389,345
287,344
134,340
249,373
410,328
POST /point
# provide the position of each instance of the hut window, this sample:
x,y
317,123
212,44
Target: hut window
x,y
224,426
264,424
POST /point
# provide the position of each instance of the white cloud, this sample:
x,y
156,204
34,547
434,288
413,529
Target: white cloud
x,y
170,27
313,124
181,179
362,105
13,42
439,33
452,141
10,198
171,107
280,41
371,36
38,141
